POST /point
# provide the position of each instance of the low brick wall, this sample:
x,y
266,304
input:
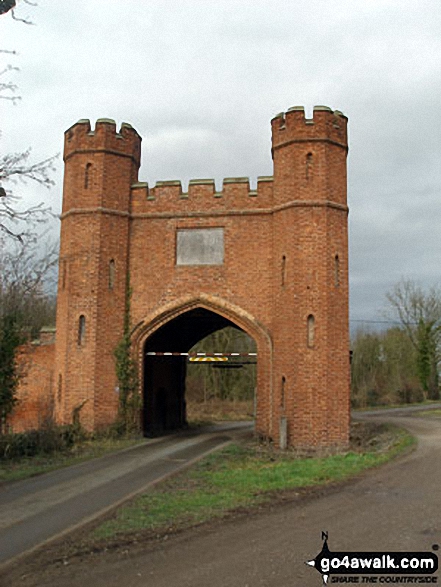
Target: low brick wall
x,y
35,393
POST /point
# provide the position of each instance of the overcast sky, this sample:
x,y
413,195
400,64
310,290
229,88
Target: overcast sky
x,y
201,80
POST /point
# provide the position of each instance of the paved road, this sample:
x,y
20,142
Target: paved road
x,y
35,510
396,507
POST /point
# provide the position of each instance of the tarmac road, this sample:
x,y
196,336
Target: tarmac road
x,y
394,508
36,510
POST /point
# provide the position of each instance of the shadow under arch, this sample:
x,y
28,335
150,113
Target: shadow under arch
x,y
176,327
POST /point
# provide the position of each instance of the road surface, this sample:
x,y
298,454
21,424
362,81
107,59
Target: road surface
x,y
396,507
35,510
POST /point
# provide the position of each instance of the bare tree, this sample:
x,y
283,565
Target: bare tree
x,y
27,277
18,221
383,368
25,306
235,381
11,5
7,5
419,313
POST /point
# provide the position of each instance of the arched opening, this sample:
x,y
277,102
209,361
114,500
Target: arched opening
x,y
222,386
88,176
168,370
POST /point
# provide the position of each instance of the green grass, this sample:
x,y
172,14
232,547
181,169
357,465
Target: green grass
x,y
239,476
426,413
24,468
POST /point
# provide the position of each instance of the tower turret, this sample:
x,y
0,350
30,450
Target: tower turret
x,y
100,167
311,275
277,267
310,155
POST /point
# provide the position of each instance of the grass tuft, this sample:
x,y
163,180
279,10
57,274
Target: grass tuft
x,y
240,476
428,413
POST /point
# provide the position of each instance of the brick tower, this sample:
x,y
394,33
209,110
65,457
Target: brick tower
x,y
310,247
100,167
272,262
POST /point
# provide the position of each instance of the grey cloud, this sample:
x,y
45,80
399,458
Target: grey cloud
x,y
200,82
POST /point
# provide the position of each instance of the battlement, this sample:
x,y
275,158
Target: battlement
x,y
292,134
80,138
270,258
167,196
326,125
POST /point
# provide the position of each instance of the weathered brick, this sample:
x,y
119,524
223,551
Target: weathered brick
x,y
286,260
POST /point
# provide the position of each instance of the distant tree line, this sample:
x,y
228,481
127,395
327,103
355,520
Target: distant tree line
x,y
26,302
26,305
394,366
401,364
234,379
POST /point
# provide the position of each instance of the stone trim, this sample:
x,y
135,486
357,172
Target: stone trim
x,y
108,211
100,150
208,213
310,140
251,212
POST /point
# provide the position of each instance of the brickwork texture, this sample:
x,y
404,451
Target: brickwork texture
x,y
283,278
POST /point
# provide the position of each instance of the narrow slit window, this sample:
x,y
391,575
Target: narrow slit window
x,y
283,270
60,388
81,330
63,274
309,166
112,272
88,176
336,271
282,395
310,331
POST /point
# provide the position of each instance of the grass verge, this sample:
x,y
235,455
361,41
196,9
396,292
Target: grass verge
x,y
427,402
25,467
428,413
242,477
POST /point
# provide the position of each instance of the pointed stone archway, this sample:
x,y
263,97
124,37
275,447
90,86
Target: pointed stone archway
x,y
177,328
273,261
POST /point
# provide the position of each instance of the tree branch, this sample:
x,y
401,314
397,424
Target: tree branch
x,y
24,20
20,224
7,5
10,6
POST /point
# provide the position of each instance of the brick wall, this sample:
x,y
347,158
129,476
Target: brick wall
x,y
36,390
284,277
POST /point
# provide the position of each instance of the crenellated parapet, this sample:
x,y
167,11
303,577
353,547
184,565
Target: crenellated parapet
x,y
80,138
169,197
302,148
270,258
292,126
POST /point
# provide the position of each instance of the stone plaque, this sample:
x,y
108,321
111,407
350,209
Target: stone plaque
x,y
200,246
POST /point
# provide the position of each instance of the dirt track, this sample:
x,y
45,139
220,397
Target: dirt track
x,y
395,508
